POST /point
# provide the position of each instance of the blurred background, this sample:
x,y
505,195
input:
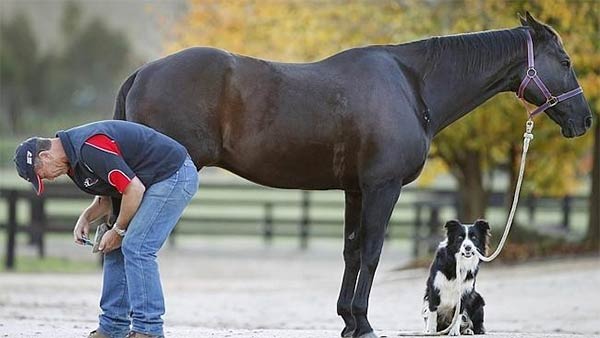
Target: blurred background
x,y
62,62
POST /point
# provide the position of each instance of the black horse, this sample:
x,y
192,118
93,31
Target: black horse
x,y
360,121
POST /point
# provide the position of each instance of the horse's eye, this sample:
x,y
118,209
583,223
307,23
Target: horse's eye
x,y
566,63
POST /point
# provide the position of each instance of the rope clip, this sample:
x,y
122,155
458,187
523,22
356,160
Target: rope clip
x,y
528,129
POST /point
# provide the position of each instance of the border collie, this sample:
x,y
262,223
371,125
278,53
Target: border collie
x,y
461,243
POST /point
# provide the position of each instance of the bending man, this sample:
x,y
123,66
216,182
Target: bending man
x,y
148,179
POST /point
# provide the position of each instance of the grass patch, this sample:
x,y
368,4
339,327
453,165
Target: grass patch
x,y
50,265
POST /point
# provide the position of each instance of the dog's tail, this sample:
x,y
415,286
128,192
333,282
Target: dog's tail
x,y
120,113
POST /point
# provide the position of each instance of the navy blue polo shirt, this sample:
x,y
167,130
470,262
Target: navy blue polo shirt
x,y
105,156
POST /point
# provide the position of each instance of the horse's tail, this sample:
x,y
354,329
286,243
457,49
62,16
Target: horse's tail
x,y
119,113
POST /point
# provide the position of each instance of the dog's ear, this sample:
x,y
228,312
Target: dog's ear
x,y
482,224
451,225
484,227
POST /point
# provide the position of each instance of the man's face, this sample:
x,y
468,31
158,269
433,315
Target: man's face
x,y
48,167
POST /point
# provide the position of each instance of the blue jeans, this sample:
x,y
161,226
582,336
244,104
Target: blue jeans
x,y
132,297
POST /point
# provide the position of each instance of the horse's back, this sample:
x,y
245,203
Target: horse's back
x,y
279,124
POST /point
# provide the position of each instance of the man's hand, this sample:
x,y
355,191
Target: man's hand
x,y
82,229
110,241
100,206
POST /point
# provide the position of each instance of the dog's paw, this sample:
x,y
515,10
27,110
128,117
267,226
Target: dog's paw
x,y
454,331
468,332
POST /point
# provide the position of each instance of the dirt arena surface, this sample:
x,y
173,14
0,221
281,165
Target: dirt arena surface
x,y
241,288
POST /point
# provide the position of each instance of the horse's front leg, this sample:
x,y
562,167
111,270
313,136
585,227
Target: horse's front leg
x,y
377,204
351,261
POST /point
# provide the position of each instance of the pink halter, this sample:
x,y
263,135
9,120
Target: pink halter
x,y
531,74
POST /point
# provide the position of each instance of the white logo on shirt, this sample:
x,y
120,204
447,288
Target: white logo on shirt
x,y
88,182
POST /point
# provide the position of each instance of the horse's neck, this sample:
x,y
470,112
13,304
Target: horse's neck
x,y
462,72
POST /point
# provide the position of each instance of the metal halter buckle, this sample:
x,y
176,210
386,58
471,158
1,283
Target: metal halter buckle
x,y
552,101
531,72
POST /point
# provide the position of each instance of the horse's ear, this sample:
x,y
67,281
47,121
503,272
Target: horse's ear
x,y
522,19
536,25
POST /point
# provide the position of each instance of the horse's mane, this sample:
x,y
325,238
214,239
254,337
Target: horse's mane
x,y
472,53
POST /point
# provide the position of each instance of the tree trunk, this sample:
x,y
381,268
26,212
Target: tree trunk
x,y
473,196
593,231
15,110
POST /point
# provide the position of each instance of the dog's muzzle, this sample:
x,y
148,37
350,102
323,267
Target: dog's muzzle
x,y
467,251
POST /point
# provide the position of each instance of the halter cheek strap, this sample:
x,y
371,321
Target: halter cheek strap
x,y
531,75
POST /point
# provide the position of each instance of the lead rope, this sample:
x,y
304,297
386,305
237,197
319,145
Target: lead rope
x,y
527,137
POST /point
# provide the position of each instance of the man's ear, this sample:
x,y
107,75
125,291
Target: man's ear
x,y
45,155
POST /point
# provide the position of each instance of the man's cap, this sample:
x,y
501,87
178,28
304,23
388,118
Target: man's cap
x,y
24,160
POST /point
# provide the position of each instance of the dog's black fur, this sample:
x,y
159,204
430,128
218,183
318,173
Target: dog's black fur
x,y
440,296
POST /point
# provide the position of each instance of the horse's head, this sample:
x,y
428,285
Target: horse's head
x,y
553,67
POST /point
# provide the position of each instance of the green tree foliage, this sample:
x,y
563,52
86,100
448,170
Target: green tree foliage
x,y
18,65
84,75
78,77
483,141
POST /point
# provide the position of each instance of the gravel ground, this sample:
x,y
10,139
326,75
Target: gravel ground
x,y
241,288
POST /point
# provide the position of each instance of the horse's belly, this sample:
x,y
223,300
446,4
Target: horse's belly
x,y
285,165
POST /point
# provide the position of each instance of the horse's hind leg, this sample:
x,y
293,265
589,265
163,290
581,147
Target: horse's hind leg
x,y
351,261
377,204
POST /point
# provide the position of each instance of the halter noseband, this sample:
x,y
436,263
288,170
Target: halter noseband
x,y
531,74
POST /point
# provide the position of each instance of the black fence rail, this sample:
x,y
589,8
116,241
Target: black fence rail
x,y
246,209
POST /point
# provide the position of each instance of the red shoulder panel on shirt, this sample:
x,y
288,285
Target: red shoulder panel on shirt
x,y
119,180
104,143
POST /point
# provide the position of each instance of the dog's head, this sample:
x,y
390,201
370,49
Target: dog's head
x,y
466,238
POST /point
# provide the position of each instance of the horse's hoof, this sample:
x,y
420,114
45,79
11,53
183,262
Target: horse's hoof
x,y
369,335
347,333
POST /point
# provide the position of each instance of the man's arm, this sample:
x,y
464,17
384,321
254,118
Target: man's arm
x,y
132,198
100,206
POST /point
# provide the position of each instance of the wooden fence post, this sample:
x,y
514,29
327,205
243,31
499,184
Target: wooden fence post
x,y
11,229
38,223
531,206
305,219
417,234
434,222
268,224
566,208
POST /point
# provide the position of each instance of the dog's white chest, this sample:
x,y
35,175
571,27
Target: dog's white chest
x,y
449,289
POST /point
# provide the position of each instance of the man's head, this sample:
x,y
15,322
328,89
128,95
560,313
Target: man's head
x,y
36,159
